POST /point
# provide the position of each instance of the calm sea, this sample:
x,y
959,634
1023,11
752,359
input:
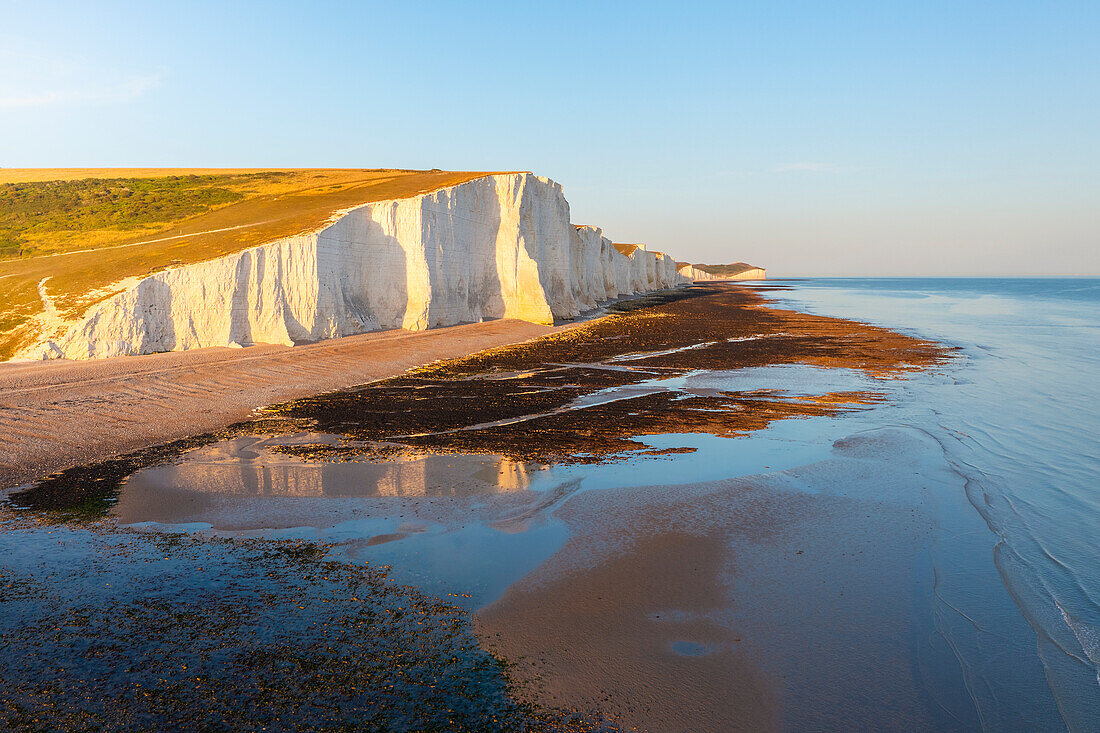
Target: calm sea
x,y
1018,416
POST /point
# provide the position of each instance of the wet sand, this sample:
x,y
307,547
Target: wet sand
x,y
54,415
741,605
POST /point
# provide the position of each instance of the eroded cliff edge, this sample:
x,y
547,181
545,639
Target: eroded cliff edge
x,y
735,271
501,246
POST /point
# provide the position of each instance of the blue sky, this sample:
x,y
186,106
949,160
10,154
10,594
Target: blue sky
x,y
823,138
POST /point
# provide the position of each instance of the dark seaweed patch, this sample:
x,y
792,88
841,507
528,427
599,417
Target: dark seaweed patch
x,y
513,401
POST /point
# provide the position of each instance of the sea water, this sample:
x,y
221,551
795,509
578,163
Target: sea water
x,y
1018,416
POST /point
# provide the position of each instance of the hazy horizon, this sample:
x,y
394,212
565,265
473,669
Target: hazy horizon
x,y
839,140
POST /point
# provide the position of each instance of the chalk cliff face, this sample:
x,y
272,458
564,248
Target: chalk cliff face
x,y
694,274
501,246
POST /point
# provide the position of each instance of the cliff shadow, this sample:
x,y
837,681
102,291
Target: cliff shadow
x,y
466,284
362,279
490,300
153,307
524,277
240,322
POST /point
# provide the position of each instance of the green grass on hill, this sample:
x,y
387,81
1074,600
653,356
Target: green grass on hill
x,y
38,217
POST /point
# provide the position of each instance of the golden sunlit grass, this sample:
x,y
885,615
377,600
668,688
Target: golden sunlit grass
x,y
251,207
31,175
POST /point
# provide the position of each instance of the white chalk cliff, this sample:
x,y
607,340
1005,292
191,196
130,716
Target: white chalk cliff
x,y
694,274
501,246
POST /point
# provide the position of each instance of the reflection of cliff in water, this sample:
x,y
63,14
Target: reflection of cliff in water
x,y
249,466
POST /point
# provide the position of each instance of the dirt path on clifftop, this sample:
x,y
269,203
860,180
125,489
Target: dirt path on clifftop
x,y
54,415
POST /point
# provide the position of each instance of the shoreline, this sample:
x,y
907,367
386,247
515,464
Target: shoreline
x,y
60,414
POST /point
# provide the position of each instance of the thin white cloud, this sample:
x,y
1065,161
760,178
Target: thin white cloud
x,y
33,77
806,167
121,91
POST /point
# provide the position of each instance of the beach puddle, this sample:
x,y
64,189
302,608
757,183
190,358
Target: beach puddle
x,y
299,465
460,526
690,649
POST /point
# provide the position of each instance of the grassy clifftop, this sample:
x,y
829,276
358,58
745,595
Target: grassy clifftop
x,y
47,217
72,234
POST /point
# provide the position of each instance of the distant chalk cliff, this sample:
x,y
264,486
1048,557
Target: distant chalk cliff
x,y
735,271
